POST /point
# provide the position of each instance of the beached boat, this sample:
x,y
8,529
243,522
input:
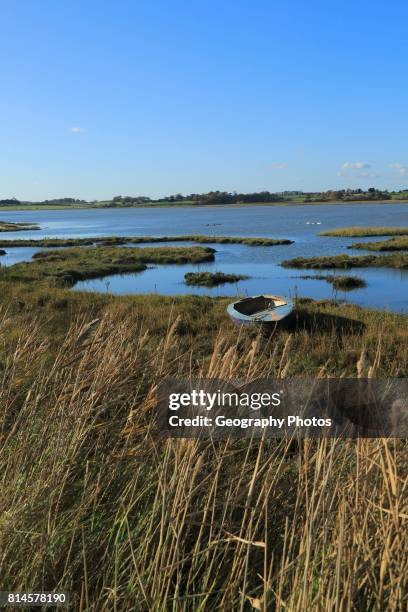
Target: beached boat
x,y
263,310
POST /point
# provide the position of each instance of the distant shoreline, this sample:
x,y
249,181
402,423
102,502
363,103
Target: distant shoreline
x,y
189,205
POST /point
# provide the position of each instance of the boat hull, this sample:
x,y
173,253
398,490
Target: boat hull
x,y
269,318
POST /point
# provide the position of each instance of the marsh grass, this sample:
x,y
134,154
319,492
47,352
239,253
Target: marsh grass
x,y
397,260
95,502
66,267
121,240
393,244
367,231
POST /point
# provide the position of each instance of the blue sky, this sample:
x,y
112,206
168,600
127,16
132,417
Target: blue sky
x,y
157,97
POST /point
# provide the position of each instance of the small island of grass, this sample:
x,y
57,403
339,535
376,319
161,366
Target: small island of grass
x,y
397,260
211,279
6,226
341,282
63,268
360,232
393,244
121,240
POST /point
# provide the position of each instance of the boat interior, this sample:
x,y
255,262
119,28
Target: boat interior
x,y
256,305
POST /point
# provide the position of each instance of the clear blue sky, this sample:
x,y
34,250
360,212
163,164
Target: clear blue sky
x,y
101,98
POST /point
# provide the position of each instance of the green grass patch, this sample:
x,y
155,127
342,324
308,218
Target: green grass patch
x,y
66,267
366,231
397,260
211,279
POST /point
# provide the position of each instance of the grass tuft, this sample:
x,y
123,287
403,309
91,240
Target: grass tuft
x,y
341,282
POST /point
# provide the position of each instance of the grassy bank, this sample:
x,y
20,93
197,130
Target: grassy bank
x,y
393,244
398,261
95,502
211,279
354,232
121,240
66,267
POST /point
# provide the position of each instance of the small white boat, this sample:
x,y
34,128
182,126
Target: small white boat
x,y
263,310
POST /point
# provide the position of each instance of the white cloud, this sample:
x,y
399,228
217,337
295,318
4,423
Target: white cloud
x,y
77,130
279,165
355,165
402,168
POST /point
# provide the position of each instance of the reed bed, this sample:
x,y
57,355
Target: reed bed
x,y
95,502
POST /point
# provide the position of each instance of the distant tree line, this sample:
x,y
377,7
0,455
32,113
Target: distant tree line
x,y
226,197
53,202
212,197
350,195
9,202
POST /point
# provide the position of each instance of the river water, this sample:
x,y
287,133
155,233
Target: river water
x,y
386,288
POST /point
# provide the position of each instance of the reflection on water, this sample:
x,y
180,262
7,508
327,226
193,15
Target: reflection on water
x,y
386,288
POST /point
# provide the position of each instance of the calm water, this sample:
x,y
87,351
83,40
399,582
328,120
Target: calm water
x,y
386,288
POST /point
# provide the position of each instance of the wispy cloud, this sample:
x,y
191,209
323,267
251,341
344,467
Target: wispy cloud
x,y
355,165
279,165
77,130
402,168
369,174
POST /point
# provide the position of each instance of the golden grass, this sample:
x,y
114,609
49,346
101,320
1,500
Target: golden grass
x,y
367,231
93,501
